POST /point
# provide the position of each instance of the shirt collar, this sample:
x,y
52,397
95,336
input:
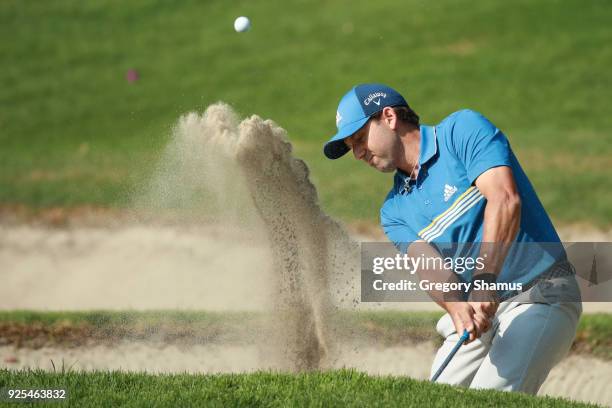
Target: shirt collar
x,y
428,149
429,144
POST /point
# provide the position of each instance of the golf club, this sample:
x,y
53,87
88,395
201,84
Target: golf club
x,y
464,337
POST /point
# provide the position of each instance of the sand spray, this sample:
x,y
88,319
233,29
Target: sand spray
x,y
244,174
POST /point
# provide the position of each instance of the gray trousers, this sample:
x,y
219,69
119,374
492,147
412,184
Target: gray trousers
x,y
528,337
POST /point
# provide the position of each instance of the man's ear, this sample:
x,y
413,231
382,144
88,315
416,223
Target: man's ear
x,y
389,117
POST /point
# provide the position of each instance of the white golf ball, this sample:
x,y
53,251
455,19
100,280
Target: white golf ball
x,y
242,24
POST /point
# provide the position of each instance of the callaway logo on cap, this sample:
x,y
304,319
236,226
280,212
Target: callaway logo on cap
x,y
354,110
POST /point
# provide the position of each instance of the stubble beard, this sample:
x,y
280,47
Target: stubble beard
x,y
385,166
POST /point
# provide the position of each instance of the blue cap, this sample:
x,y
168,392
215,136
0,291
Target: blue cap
x,y
354,110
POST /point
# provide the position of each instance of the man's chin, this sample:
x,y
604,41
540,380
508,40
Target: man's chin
x,y
384,167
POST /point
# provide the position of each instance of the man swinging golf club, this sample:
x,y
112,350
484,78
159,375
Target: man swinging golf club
x,y
459,182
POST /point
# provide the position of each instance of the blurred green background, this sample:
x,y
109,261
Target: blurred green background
x,y
75,132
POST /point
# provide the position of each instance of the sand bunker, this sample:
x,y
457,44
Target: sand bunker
x,y
139,267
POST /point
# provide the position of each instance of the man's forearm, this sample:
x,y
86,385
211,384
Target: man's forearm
x,y
501,224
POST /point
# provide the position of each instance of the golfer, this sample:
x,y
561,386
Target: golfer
x,y
459,182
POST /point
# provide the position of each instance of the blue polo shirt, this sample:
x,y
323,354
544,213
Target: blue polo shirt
x,y
444,207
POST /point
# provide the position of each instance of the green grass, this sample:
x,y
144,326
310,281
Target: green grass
x,y
112,318
594,334
390,319
74,132
596,330
318,389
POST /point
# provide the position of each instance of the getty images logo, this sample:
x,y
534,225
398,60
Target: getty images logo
x,y
374,98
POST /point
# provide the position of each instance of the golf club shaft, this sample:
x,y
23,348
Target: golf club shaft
x,y
464,337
